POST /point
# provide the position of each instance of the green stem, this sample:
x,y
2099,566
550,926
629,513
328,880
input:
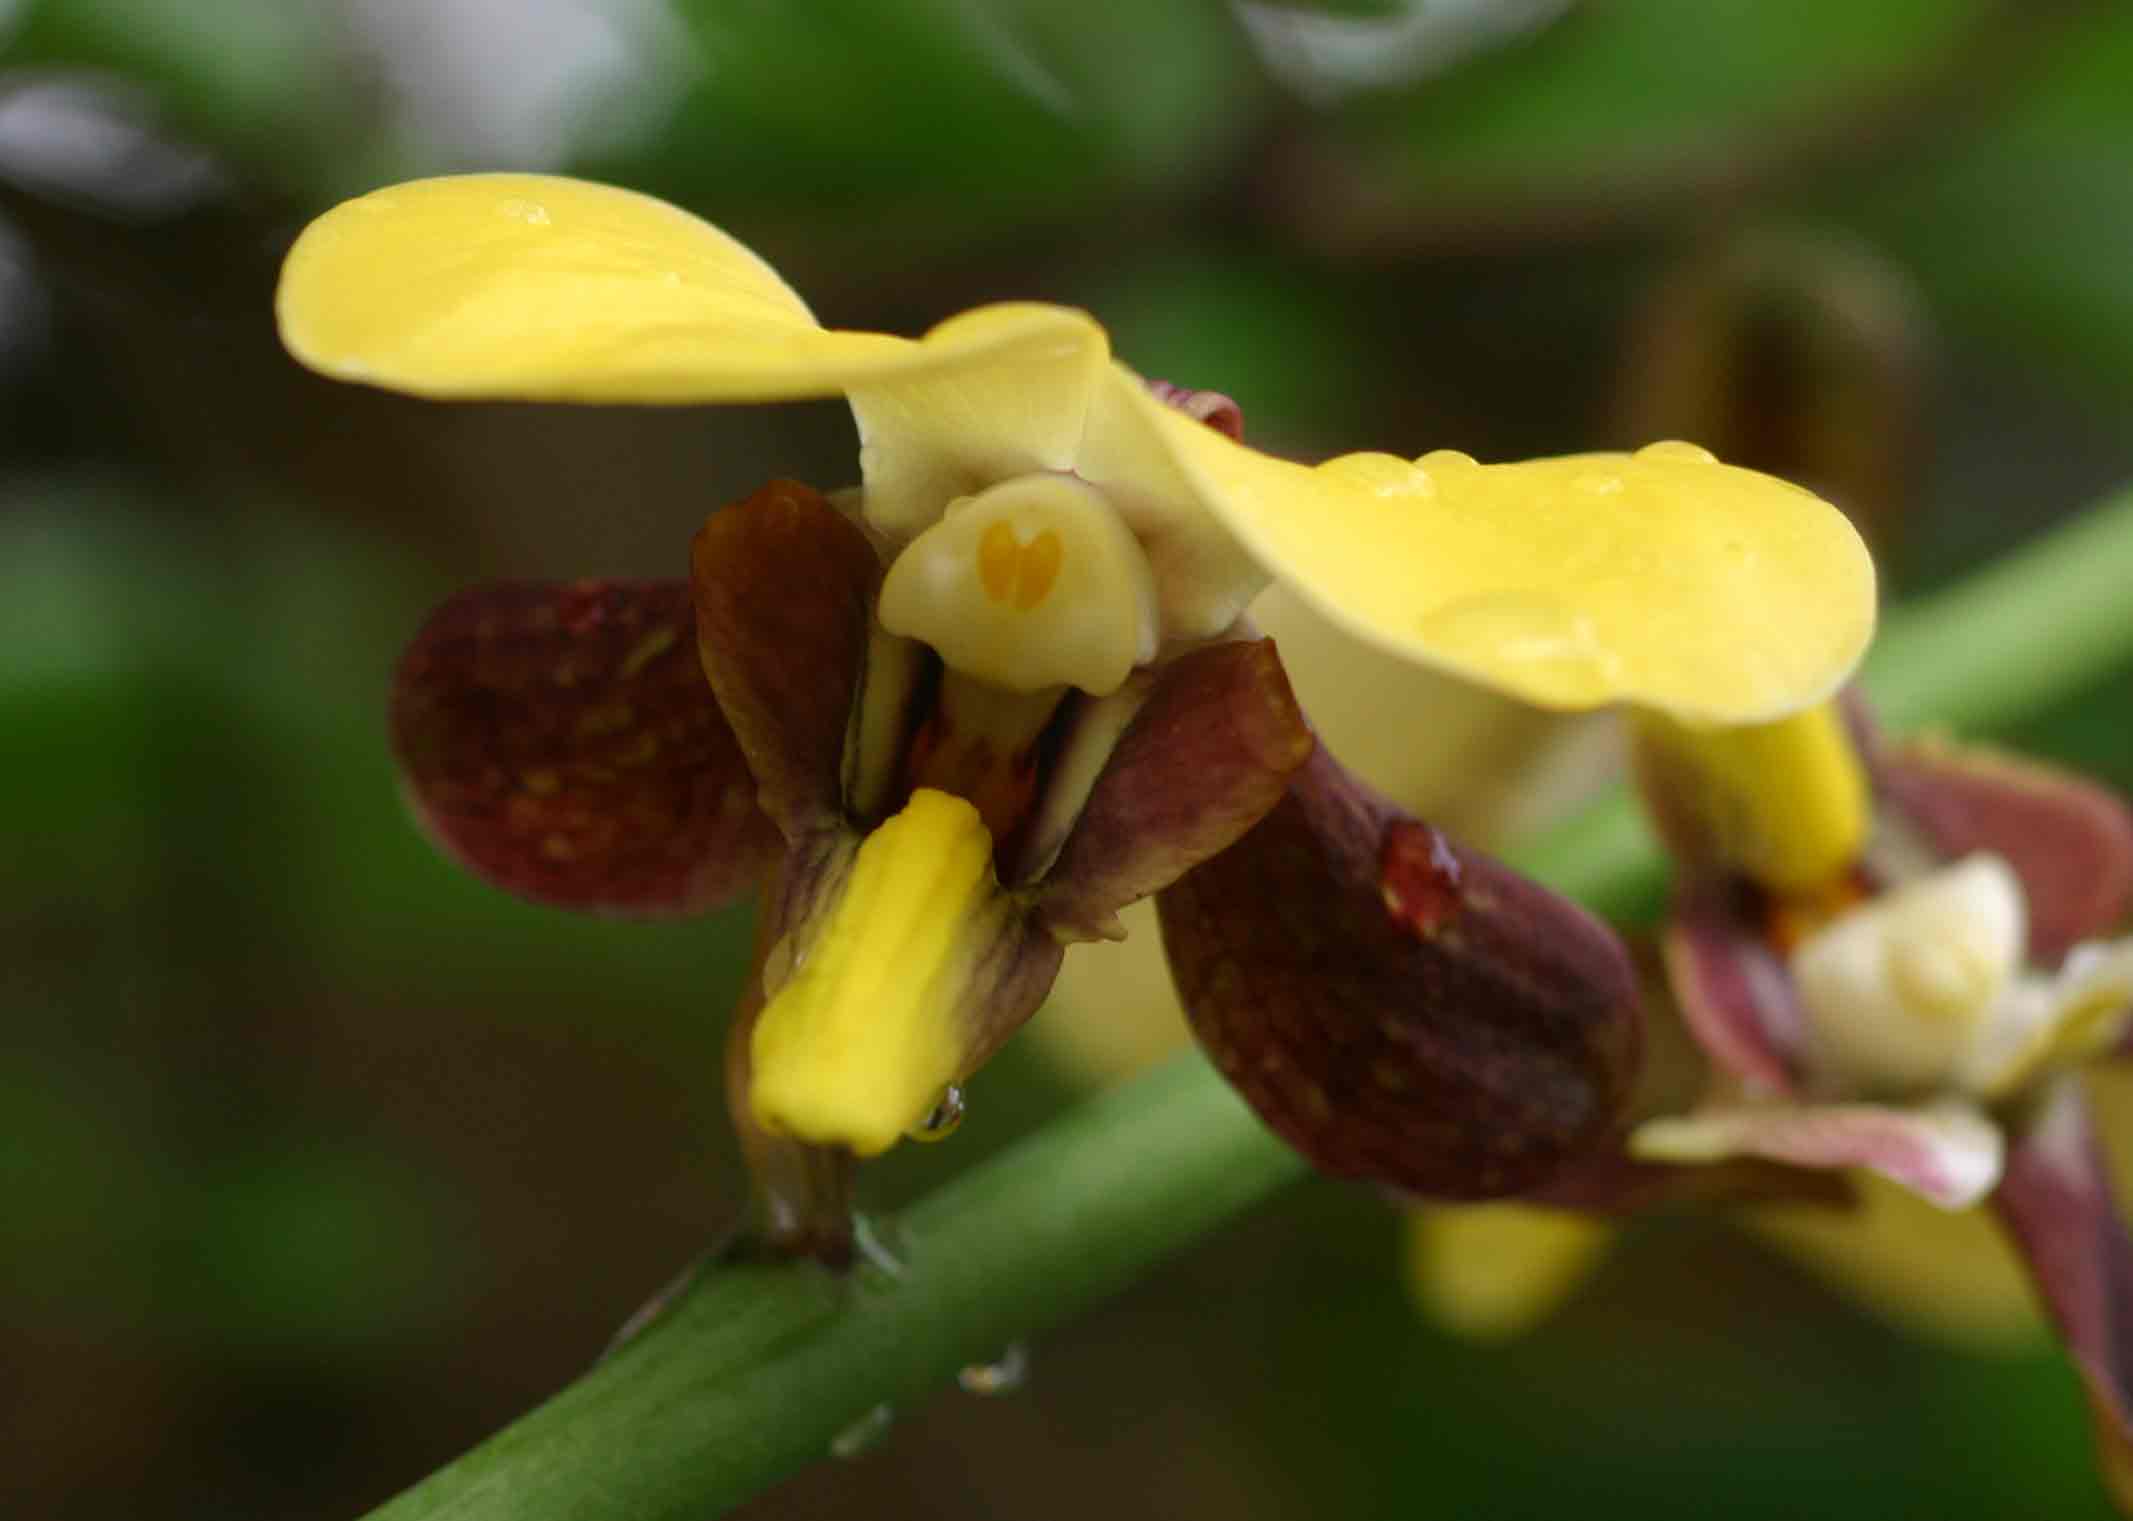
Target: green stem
x,y
758,1366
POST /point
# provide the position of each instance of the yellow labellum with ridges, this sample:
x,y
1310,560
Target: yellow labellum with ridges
x,y
861,1038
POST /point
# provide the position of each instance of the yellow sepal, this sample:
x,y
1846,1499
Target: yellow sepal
x,y
540,288
1494,1271
1785,804
1661,578
867,1029
1944,1273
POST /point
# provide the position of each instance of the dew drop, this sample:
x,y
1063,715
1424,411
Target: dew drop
x,y
943,1119
1444,463
864,1434
879,1246
1419,877
1679,452
532,213
1003,1375
1384,475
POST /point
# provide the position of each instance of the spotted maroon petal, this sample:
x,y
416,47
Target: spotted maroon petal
x,y
784,587
560,741
1397,1007
1735,994
2056,1204
2069,840
1949,1151
1206,756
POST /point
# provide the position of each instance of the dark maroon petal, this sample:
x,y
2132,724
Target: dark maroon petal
x,y
1735,994
560,741
1399,1008
1207,755
2069,840
784,586
2056,1203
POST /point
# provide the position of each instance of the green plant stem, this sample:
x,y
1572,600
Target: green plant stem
x,y
758,1366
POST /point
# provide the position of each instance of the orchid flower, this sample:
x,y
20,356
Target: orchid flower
x,y
1919,1007
958,716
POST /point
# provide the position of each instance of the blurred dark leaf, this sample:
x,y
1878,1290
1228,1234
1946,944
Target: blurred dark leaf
x,y
2022,233
930,121
1616,107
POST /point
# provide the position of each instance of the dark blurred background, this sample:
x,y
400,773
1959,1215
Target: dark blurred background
x,y
319,1161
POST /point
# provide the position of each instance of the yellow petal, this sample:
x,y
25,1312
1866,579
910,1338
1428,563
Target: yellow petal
x,y
1113,1012
1784,802
1005,392
541,288
1491,1271
1945,1273
1661,578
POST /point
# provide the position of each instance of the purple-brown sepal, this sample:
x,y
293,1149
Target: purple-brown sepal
x,y
784,588
558,739
1398,1008
2056,1203
2069,840
1207,755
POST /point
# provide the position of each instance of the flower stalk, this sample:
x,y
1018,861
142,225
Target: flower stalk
x,y
753,1371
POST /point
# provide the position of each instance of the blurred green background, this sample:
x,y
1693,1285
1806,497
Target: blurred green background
x,y
318,1161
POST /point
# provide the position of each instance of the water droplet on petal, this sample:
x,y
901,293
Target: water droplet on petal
x,y
532,213
864,1434
1004,1375
1418,877
942,1119
1385,475
1446,463
1682,453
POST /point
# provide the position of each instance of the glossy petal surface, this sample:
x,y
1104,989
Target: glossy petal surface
x,y
1397,1008
1661,578
560,741
1948,1152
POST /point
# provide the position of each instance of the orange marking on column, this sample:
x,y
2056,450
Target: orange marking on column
x,y
1040,560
